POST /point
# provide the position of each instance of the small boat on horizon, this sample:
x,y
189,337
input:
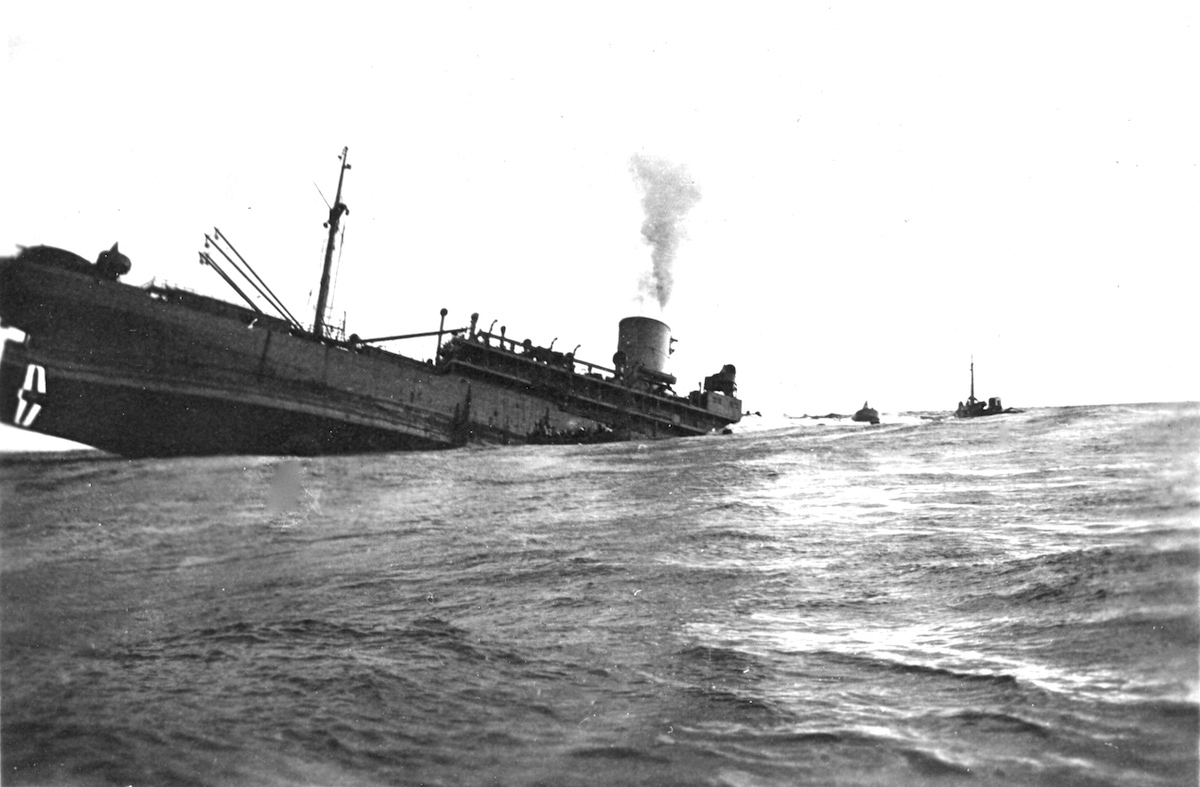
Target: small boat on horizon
x,y
867,414
973,408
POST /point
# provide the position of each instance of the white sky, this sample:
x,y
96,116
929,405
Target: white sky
x,y
888,189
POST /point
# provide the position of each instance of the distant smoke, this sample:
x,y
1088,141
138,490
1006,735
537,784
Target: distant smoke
x,y
669,195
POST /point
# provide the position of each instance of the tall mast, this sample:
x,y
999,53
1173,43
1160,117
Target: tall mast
x,y
972,379
335,217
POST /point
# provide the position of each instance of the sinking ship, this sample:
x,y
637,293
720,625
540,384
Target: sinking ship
x,y
160,371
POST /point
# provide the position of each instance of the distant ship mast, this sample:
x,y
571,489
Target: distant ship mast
x,y
335,217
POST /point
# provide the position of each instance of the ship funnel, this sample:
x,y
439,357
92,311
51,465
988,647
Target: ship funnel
x,y
645,342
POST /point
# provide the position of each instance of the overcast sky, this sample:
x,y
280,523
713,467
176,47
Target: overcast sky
x,y
886,190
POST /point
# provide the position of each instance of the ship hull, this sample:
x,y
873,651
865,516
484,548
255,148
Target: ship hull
x,y
124,417
159,372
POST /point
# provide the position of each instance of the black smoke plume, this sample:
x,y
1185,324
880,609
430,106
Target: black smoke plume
x,y
668,194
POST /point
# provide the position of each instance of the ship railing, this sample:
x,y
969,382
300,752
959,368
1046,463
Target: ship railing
x,y
658,383
336,332
528,351
157,287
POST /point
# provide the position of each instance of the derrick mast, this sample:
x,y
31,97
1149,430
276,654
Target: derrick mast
x,y
335,217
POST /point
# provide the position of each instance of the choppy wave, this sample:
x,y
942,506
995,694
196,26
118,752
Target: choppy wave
x,y
805,601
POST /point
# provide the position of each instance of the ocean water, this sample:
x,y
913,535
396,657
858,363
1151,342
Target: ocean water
x,y
1001,601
